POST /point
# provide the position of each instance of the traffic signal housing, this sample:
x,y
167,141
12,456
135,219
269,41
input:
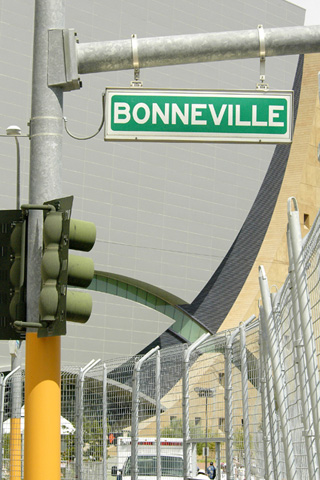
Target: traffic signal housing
x,y
13,226
59,270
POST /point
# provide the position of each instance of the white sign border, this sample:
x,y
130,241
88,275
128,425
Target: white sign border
x,y
189,137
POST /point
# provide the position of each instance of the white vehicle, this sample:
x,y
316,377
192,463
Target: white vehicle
x,y
171,459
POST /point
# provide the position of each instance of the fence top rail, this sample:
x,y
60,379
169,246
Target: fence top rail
x,y
206,439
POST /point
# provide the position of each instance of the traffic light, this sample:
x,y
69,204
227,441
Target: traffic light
x,y
13,226
59,269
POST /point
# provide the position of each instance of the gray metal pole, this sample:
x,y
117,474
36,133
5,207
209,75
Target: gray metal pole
x,y
158,414
46,126
228,404
267,417
271,395
229,400
79,417
134,423
245,401
1,420
203,47
42,364
79,426
218,460
105,423
206,454
185,404
135,413
18,172
16,380
15,132
3,383
278,376
16,392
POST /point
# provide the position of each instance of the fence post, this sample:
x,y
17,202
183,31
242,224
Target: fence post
x,y
228,399
305,317
228,404
3,382
158,413
79,418
268,412
135,412
245,401
1,420
218,460
271,404
185,402
104,422
16,453
279,383
307,418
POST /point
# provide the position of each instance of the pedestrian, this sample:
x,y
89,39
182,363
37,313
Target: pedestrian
x,y
211,470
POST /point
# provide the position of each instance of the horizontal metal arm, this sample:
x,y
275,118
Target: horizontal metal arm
x,y
205,47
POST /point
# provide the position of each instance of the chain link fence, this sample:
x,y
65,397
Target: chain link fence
x,y
247,399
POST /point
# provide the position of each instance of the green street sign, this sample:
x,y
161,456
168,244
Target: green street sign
x,y
249,116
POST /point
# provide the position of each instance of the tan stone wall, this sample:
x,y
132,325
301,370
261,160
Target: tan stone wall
x,y
301,180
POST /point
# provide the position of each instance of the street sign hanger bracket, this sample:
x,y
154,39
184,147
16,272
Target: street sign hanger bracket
x,y
262,48
135,61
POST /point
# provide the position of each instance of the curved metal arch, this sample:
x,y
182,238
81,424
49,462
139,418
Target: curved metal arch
x,y
153,297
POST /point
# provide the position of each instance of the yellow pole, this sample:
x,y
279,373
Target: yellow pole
x,y
42,408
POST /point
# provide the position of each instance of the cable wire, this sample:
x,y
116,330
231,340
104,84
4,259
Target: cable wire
x,y
99,129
